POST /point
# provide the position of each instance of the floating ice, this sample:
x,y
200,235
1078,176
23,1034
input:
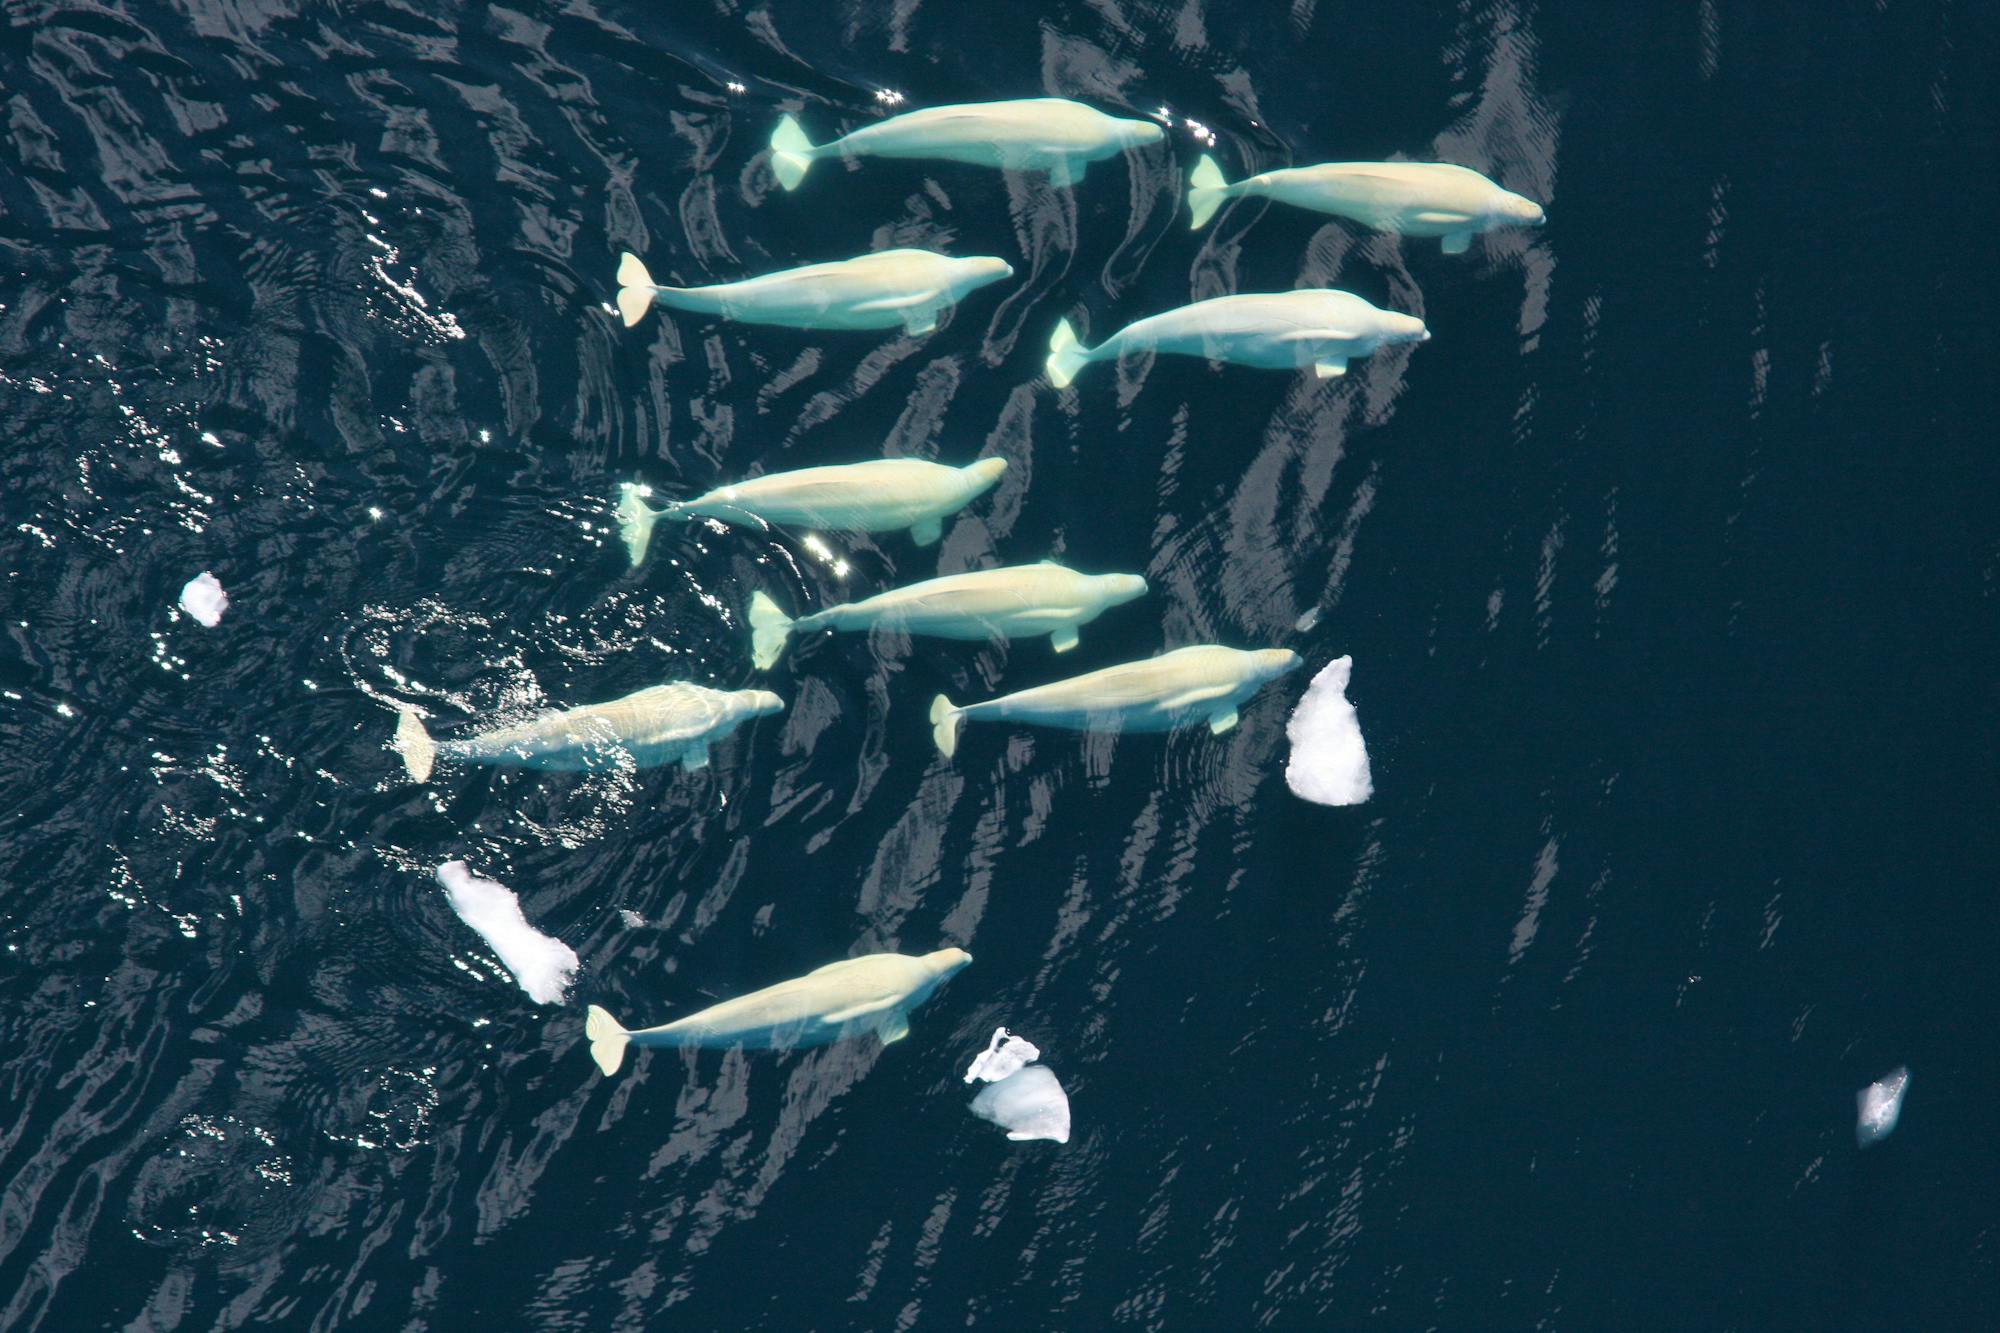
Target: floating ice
x,y
1028,1104
1002,1056
543,966
631,918
204,599
1880,1104
1329,763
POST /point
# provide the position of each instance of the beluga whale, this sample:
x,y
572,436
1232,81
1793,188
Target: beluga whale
x,y
1047,134
1202,683
1407,198
872,993
888,289
665,724
1321,328
1012,602
886,495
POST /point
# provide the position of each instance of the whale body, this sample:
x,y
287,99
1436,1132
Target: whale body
x,y
1050,134
872,993
1321,328
1159,694
884,290
1407,198
1012,602
886,495
671,723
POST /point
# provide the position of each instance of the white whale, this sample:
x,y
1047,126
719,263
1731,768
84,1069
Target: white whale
x,y
886,495
1050,134
1158,694
671,723
884,290
872,993
1320,328
1012,602
1407,198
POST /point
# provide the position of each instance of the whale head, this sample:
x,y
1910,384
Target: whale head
x,y
1118,589
1272,663
1139,133
1517,210
980,476
1398,327
759,702
976,271
944,962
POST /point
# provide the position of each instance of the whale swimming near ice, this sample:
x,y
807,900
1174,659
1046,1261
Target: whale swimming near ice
x,y
1321,328
1012,602
1048,134
1204,682
886,495
872,993
671,723
884,290
1407,198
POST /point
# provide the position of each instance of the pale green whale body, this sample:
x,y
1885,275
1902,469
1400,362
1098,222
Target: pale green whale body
x,y
1050,134
872,993
1012,602
1406,198
665,724
1160,693
886,495
1320,328
885,290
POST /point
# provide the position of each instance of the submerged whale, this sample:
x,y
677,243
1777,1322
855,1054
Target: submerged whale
x,y
1051,134
1012,602
665,724
1158,694
884,290
1320,328
886,495
872,993
1408,198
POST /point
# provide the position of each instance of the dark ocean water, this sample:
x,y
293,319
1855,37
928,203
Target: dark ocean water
x,y
1669,569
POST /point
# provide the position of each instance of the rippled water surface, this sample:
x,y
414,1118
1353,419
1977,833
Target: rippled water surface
x,y
1668,568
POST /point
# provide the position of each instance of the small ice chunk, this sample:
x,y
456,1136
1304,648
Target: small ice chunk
x,y
1002,1056
204,599
1028,1104
1880,1105
631,918
1329,763
543,966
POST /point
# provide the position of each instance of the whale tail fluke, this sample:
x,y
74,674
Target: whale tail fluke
x,y
635,289
768,629
1206,191
636,519
1067,356
414,743
608,1040
946,719
791,153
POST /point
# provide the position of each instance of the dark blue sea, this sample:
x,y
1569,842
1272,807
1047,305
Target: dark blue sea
x,y
1669,568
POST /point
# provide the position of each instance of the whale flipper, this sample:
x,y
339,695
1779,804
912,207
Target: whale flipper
x,y
926,531
695,759
1063,639
866,1009
1222,719
1064,173
1330,366
895,1027
1456,242
920,319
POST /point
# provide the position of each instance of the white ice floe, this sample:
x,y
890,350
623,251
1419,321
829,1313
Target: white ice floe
x,y
1879,1106
204,599
1028,1104
1329,763
542,965
1002,1056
